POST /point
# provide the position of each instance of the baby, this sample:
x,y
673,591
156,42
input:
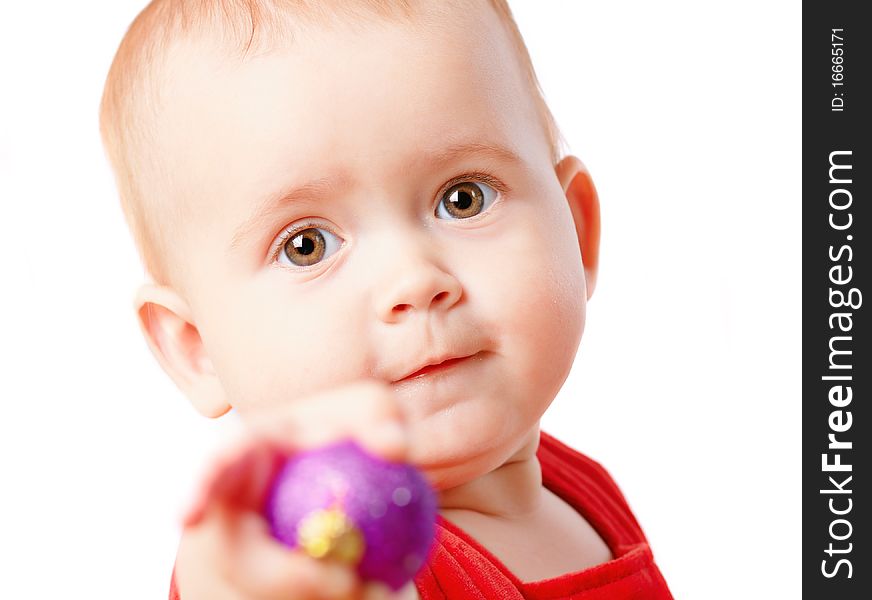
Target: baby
x,y
359,225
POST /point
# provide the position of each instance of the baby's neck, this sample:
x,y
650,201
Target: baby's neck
x,y
511,491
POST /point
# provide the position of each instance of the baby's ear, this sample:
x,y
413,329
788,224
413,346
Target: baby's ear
x,y
166,323
584,204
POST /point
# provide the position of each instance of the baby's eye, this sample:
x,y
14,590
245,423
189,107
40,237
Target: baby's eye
x,y
308,246
465,200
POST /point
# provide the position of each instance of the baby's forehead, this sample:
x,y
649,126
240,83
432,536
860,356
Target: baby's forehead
x,y
245,28
330,90
298,115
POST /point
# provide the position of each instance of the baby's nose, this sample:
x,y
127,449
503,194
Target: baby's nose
x,y
421,286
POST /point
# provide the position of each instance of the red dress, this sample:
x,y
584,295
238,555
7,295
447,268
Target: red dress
x,y
459,568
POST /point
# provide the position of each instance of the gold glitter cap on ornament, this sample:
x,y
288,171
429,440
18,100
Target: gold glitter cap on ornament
x,y
329,533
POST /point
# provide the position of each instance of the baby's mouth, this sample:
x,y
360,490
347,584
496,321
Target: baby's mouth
x,y
436,367
445,364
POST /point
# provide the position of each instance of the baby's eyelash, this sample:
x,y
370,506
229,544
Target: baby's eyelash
x,y
480,176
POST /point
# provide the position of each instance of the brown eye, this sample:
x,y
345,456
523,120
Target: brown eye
x,y
310,246
465,200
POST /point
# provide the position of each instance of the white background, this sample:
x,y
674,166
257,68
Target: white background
x,y
687,383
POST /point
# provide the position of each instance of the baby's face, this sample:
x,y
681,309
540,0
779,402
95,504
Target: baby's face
x,y
367,204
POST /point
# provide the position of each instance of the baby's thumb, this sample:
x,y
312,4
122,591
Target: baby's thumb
x,y
239,479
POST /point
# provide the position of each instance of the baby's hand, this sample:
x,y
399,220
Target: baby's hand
x,y
227,551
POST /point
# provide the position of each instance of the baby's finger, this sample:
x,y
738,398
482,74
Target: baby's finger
x,y
264,569
376,591
367,411
239,477
380,591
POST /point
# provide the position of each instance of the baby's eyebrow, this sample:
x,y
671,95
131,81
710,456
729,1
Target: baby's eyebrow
x,y
323,186
261,214
470,149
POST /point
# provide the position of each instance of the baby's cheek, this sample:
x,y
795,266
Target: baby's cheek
x,y
313,349
286,348
553,327
547,314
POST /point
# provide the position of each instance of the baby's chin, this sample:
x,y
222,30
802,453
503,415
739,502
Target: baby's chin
x,y
447,465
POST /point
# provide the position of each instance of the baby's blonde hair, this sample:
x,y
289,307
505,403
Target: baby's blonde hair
x,y
131,103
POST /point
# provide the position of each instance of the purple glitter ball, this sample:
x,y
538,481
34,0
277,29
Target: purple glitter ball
x,y
390,508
